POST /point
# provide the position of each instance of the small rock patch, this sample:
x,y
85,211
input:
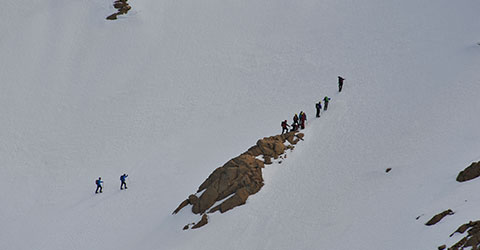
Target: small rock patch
x,y
469,173
435,219
122,7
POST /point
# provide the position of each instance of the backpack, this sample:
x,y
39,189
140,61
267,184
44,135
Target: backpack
x,y
97,182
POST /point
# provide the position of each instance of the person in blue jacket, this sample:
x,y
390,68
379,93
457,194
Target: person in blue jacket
x,y
122,179
318,106
99,185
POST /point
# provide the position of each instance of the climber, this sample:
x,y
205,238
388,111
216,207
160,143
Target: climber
x,y
122,180
340,83
326,100
303,119
99,185
285,127
318,106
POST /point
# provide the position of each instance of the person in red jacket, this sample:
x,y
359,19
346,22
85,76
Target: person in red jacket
x,y
285,127
303,119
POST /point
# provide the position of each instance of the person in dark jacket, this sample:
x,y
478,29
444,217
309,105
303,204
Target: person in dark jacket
x,y
99,185
318,106
325,101
122,180
295,123
285,127
340,83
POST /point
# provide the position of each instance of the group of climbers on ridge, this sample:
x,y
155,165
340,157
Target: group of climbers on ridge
x,y
299,121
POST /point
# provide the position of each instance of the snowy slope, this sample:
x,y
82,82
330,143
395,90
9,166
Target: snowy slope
x,y
174,89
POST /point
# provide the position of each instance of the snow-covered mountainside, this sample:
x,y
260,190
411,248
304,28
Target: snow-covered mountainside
x,y
174,89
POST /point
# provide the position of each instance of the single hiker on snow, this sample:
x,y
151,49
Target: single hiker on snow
x,y
318,106
340,83
303,119
326,100
122,180
99,185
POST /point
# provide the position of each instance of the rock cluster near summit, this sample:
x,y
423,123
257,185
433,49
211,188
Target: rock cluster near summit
x,y
239,178
122,6
472,240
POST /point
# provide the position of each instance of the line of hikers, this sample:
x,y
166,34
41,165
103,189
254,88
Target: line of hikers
x,y
99,183
299,121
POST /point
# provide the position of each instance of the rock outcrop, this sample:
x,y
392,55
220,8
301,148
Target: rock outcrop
x,y
239,178
202,222
122,8
435,219
469,173
472,240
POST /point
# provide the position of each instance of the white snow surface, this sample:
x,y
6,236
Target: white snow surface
x,y
174,89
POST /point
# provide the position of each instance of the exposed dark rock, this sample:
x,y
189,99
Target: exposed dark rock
x,y
112,17
442,247
472,240
238,199
435,219
202,222
182,205
388,170
469,173
122,8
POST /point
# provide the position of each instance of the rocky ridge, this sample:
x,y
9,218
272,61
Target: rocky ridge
x,y
240,177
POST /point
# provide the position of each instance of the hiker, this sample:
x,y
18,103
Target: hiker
x,y
285,127
303,119
122,179
99,185
319,107
294,127
326,100
340,83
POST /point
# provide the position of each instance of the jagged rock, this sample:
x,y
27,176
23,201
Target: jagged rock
x,y
464,228
469,173
472,240
290,137
112,17
254,151
238,199
205,201
122,8
442,247
435,219
240,176
182,205
186,227
300,136
388,170
267,160
202,222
